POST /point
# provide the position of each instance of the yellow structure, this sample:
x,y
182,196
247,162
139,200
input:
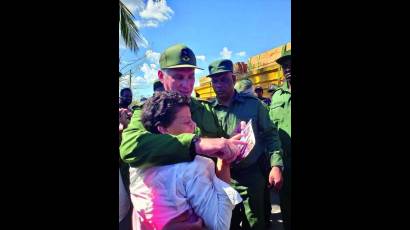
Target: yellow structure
x,y
262,70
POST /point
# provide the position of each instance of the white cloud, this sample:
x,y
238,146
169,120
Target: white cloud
x,y
125,81
198,72
196,84
241,54
125,62
138,24
159,11
151,23
121,41
123,84
122,45
142,43
151,15
150,73
141,82
133,5
226,53
138,83
200,57
144,23
153,56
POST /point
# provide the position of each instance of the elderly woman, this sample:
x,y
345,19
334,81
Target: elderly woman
x,y
185,191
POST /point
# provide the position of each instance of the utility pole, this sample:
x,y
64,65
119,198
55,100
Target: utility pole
x,y
130,79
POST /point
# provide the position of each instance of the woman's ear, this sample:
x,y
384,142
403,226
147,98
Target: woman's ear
x,y
161,129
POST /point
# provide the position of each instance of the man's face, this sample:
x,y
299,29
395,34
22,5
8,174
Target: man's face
x,y
259,93
182,123
223,84
181,80
287,69
126,98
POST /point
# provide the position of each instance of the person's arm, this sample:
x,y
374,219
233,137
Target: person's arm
x,y
211,198
223,170
124,115
143,149
270,136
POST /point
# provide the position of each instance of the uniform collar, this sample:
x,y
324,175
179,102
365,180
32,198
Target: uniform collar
x,y
285,86
236,97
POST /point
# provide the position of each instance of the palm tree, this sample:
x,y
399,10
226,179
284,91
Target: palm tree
x,y
129,31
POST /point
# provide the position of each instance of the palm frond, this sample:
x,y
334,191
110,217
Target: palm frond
x,y
129,31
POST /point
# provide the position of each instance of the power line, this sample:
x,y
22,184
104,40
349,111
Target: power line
x,y
134,62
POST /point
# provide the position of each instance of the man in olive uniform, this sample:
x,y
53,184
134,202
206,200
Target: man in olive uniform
x,y
280,114
250,177
143,149
272,89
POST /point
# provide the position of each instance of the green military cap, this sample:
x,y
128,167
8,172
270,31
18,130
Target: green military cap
x,y
243,85
220,66
287,55
177,56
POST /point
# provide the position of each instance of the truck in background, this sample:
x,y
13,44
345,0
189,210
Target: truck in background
x,y
261,69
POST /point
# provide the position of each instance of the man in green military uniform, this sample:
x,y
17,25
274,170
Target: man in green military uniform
x,y
143,149
250,177
280,114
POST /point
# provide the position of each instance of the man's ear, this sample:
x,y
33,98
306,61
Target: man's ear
x,y
161,129
160,75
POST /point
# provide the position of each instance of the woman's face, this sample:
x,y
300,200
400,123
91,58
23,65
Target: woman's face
x,y
181,124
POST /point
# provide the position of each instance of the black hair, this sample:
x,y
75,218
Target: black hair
x,y
158,85
161,108
258,89
123,90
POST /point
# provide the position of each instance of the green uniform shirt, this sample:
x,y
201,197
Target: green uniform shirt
x,y
143,149
244,107
280,114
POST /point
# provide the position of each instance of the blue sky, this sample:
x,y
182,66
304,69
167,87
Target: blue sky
x,y
213,29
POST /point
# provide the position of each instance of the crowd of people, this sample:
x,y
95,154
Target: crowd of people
x,y
178,154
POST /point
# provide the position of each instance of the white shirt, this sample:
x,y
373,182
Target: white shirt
x,y
124,200
162,193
